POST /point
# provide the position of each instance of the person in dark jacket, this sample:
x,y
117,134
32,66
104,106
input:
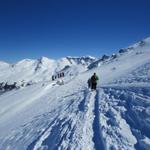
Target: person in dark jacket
x,y
94,80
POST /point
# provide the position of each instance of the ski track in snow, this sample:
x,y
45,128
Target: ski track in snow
x,y
97,138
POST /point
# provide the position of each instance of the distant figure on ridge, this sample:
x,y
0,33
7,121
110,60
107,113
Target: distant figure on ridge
x,y
53,77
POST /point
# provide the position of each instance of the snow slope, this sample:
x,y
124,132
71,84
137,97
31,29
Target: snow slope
x,y
47,116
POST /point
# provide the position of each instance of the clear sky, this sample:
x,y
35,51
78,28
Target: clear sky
x,y
58,28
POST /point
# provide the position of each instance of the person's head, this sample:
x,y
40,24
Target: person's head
x,y
94,74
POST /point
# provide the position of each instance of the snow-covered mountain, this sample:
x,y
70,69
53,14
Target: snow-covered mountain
x,y
3,64
137,48
85,60
47,115
42,69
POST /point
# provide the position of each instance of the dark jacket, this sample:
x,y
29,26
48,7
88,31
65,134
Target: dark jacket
x,y
94,79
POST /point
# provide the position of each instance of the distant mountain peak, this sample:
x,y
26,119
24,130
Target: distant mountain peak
x,y
81,57
84,60
140,43
4,64
25,62
137,48
44,59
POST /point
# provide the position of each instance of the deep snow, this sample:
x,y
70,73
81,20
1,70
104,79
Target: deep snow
x,y
47,116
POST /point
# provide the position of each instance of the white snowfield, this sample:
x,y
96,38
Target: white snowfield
x,y
48,116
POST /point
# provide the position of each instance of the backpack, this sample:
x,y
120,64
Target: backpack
x,y
94,79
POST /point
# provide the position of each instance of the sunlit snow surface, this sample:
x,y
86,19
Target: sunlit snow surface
x,y
48,116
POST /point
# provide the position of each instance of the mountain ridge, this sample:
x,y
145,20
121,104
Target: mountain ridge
x,y
43,68
130,47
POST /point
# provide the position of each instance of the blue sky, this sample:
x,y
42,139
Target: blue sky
x,y
58,28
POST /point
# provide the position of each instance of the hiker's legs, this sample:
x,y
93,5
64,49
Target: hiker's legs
x,y
94,86
89,85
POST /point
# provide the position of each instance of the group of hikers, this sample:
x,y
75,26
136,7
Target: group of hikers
x,y
59,75
92,82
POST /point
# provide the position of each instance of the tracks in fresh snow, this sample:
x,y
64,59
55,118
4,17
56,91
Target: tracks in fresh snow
x,y
73,131
74,124
109,118
97,138
125,117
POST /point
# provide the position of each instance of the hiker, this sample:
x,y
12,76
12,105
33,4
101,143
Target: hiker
x,y
94,80
58,75
63,74
89,83
53,77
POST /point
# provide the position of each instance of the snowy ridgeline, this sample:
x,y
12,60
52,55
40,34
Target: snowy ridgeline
x,y
28,70
46,115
